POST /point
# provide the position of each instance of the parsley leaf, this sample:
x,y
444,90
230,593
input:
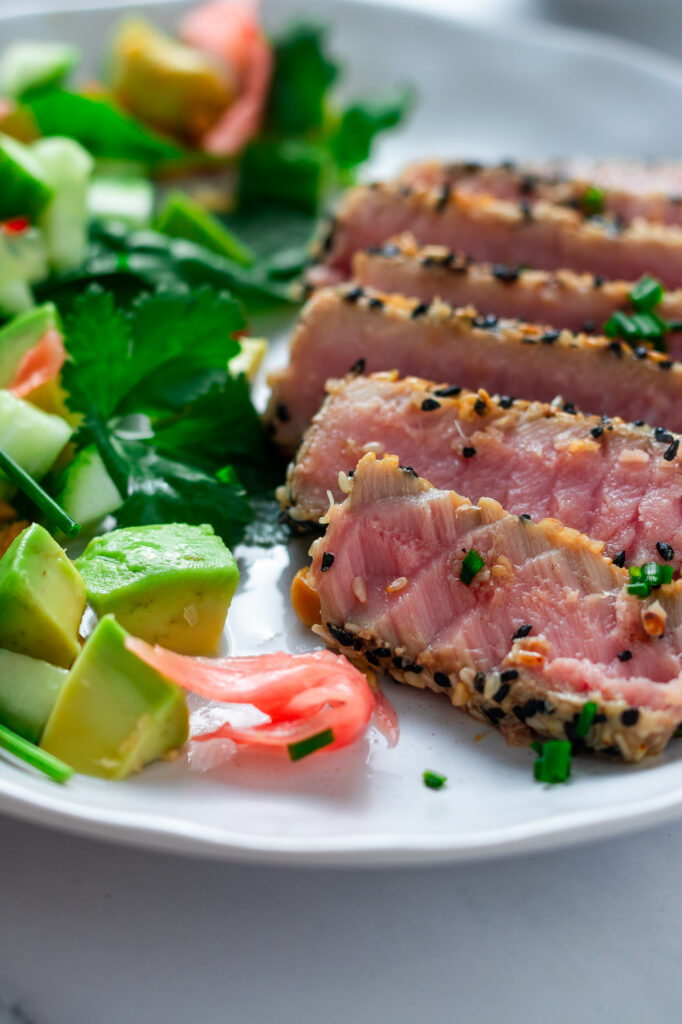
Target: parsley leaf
x,y
351,143
302,77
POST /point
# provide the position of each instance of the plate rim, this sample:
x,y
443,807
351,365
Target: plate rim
x,y
173,836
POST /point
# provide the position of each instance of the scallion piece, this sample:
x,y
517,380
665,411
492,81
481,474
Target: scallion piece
x,y
647,293
640,589
666,574
593,201
53,512
619,325
434,780
585,719
648,326
554,763
51,766
472,564
308,746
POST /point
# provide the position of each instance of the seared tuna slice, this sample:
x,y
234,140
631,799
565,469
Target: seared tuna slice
x,y
544,626
618,483
347,328
562,298
626,193
541,235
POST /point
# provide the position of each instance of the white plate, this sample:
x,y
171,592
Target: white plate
x,y
482,93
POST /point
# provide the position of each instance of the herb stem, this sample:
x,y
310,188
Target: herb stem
x,y
47,505
51,766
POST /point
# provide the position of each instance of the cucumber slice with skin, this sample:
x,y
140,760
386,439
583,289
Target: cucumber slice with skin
x,y
86,491
23,262
31,65
31,437
184,217
28,691
24,188
130,200
20,335
64,221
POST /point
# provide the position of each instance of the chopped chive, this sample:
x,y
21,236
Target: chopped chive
x,y
554,763
647,293
472,564
639,589
51,766
308,746
648,326
619,325
666,574
434,780
34,492
593,201
584,723
635,572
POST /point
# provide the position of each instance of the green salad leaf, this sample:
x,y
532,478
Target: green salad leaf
x,y
152,386
302,77
360,123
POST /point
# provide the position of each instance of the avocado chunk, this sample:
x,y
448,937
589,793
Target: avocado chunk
x,y
176,88
114,713
21,334
170,584
24,190
28,691
42,599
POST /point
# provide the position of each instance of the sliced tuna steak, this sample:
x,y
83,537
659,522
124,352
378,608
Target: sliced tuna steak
x,y
615,482
347,327
562,298
541,235
626,196
544,626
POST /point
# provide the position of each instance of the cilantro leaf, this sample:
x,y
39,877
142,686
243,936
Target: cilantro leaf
x,y
99,345
358,125
99,125
302,78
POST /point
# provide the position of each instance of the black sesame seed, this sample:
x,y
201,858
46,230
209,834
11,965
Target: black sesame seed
x,y
665,364
405,191
341,635
619,560
533,707
390,250
624,655
479,682
597,431
397,661
372,660
671,451
665,550
375,303
381,652
589,326
354,294
638,423
599,718
521,632
611,751
480,407
507,275
526,210
506,401
443,197
449,392
429,404
350,474
570,409
487,322
373,250
501,693
358,644
468,452
441,679
358,367
282,413
420,310
640,352
630,716
616,348
549,337
524,515
327,561
527,184
598,280
494,715
508,675
410,470
662,435
413,666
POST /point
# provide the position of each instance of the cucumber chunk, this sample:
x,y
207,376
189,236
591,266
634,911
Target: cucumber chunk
x,y
28,691
31,437
64,221
86,491
31,65
24,188
130,200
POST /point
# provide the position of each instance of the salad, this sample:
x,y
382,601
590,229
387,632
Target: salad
x,y
147,220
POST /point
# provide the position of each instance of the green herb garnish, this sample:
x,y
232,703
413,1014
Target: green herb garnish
x,y
585,719
53,512
647,293
593,201
434,780
26,751
308,746
472,564
648,577
644,324
554,763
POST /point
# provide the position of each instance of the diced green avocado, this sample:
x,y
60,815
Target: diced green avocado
x,y
28,65
114,713
130,200
85,490
31,437
42,599
20,335
24,188
179,89
183,217
67,166
170,584
28,691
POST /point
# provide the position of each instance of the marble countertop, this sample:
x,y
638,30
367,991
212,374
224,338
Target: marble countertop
x,y
98,934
